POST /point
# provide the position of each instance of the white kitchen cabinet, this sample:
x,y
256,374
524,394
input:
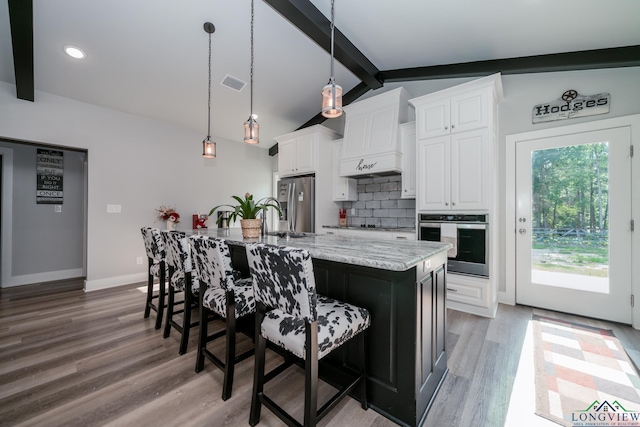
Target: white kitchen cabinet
x,y
454,172
459,113
371,134
308,151
344,189
297,155
468,293
408,139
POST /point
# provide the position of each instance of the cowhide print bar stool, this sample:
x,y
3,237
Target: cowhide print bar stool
x,y
154,246
223,295
182,278
291,315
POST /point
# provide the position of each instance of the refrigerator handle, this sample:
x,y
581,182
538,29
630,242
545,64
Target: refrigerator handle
x,y
293,207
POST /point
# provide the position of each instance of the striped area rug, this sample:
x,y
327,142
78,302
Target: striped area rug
x,y
583,376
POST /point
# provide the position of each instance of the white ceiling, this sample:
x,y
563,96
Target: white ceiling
x,y
149,57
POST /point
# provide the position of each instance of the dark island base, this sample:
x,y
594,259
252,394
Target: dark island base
x,y
406,357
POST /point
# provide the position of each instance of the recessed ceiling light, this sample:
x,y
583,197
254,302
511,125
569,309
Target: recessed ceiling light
x,y
75,52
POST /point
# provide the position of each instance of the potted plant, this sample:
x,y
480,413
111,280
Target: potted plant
x,y
247,210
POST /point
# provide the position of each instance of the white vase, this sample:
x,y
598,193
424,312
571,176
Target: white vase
x,y
171,225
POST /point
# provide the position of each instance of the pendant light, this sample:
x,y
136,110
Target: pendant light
x,y
251,127
208,145
332,93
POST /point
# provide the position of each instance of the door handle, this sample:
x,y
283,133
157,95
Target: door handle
x,y
522,219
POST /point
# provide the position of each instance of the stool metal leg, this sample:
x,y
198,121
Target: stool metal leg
x,y
161,295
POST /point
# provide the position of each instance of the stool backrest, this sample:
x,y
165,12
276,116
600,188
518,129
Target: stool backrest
x,y
178,250
283,279
153,243
213,262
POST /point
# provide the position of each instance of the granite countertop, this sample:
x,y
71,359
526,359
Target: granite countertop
x,y
395,229
395,255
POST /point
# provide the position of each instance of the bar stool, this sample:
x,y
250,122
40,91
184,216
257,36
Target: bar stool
x,y
156,254
291,315
182,278
226,296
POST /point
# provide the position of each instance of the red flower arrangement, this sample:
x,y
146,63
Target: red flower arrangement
x,y
168,214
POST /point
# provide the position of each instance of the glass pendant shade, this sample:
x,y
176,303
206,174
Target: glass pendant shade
x,y
251,131
208,148
332,100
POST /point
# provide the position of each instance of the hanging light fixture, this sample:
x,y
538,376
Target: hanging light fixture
x,y
251,126
332,93
208,145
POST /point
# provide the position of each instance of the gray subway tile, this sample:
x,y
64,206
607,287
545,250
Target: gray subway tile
x,y
365,196
381,213
389,222
389,203
373,204
382,195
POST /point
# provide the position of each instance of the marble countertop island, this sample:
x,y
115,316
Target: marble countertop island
x,y
393,255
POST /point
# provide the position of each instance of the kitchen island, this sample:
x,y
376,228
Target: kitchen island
x,y
403,285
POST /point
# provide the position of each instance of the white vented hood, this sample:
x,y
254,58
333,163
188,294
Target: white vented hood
x,y
372,135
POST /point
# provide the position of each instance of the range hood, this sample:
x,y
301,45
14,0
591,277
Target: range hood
x,y
371,144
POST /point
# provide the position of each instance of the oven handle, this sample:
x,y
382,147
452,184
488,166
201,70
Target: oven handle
x,y
469,226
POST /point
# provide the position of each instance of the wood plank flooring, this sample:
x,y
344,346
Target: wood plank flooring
x,y
69,358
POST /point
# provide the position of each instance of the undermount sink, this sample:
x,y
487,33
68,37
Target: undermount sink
x,y
292,234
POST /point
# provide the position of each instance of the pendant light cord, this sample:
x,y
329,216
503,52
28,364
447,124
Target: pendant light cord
x,y
209,102
251,72
332,35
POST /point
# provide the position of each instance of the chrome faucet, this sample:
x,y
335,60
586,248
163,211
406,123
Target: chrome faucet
x,y
264,227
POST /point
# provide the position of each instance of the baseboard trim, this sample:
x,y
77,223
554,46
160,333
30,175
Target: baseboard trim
x,y
112,282
50,276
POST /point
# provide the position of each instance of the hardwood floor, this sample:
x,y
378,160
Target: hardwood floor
x,y
69,358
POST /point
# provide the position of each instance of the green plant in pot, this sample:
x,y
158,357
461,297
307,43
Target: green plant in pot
x,y
247,210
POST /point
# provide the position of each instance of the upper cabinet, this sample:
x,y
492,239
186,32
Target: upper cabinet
x,y
408,142
455,159
298,151
344,189
371,134
459,113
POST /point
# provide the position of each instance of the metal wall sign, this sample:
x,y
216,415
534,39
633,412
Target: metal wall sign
x,y
570,105
50,168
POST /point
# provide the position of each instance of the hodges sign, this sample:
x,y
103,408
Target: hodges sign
x,y
571,105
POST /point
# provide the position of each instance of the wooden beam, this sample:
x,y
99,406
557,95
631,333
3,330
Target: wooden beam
x,y
617,57
304,15
21,21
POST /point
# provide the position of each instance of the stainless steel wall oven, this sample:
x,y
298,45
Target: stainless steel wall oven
x,y
472,253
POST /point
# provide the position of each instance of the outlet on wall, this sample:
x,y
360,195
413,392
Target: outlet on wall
x,y
139,260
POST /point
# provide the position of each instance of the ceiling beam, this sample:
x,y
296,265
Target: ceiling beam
x,y
304,15
21,21
616,57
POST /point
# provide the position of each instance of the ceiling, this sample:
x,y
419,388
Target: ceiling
x,y
149,57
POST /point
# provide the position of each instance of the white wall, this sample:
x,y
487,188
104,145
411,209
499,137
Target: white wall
x,y
523,91
138,163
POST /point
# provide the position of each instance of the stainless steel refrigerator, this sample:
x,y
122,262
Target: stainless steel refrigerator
x,y
297,198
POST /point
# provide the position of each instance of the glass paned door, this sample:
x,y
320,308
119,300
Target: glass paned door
x,y
573,224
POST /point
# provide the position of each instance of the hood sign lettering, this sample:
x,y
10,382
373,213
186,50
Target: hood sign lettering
x,y
365,166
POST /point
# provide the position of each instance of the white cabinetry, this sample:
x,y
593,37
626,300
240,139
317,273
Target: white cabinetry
x,y
456,163
456,147
459,113
297,155
308,151
454,172
343,188
408,140
371,135
470,294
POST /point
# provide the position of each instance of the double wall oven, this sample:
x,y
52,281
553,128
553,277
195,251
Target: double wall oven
x,y
467,232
